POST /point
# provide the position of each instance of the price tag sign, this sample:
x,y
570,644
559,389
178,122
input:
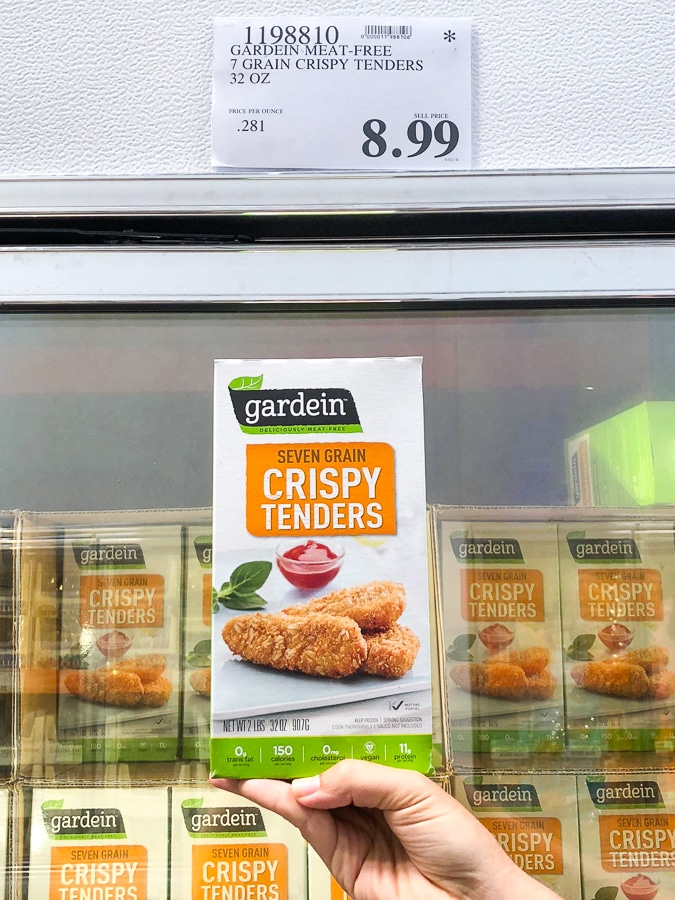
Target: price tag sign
x,y
342,93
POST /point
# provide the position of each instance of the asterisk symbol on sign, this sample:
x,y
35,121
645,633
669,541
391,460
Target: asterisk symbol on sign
x,y
449,36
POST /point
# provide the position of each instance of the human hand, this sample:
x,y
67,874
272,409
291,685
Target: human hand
x,y
391,834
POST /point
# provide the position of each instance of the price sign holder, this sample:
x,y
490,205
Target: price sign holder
x,y
342,93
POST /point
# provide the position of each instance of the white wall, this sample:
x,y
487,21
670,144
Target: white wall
x,y
123,86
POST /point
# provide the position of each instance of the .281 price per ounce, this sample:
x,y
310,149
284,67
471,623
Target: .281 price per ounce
x,y
444,135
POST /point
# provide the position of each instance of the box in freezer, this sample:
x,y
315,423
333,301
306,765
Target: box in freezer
x,y
627,828
4,842
534,820
197,642
500,614
224,847
617,581
101,612
98,843
321,647
626,460
7,642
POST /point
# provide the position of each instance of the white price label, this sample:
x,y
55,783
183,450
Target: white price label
x,y
341,93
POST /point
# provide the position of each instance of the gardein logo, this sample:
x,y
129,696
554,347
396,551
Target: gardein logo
x,y
508,797
485,550
109,556
203,544
602,550
291,410
221,821
624,794
82,824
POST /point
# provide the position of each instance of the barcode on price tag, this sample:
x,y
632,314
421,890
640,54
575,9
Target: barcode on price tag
x,y
341,93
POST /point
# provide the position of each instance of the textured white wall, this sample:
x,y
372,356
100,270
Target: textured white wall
x,y
123,86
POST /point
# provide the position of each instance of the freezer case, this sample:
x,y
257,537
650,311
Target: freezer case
x,y
544,326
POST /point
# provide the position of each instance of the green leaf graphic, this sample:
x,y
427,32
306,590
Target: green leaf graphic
x,y
578,655
250,577
246,383
200,655
606,893
52,804
460,648
194,803
580,646
244,601
583,641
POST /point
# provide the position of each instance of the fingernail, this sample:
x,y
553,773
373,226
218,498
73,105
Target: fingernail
x,y
303,787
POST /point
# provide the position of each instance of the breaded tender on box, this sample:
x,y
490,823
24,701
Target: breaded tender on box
x,y
496,680
390,653
156,693
541,686
105,686
652,659
616,678
532,661
662,685
148,667
200,681
318,644
374,606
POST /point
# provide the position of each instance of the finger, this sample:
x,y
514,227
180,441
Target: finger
x,y
365,784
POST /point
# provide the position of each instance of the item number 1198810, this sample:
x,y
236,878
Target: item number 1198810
x,y
444,134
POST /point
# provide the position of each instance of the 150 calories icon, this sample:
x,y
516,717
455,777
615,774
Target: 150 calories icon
x,y
444,134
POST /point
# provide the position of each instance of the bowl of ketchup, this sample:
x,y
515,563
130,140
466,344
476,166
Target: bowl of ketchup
x,y
616,637
113,644
309,565
640,887
496,638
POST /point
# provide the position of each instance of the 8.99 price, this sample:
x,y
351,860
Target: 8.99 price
x,y
444,135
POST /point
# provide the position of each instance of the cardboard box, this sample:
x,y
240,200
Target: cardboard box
x,y
534,820
196,642
4,843
223,846
319,490
98,842
617,583
627,829
99,637
627,460
500,610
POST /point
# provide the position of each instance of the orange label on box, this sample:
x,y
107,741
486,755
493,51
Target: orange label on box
x,y
628,594
507,595
643,841
534,844
336,892
256,871
207,581
310,489
122,601
118,873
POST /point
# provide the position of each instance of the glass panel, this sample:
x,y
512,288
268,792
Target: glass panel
x,y
114,412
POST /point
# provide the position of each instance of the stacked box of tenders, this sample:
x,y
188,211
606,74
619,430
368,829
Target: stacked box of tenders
x,y
347,631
